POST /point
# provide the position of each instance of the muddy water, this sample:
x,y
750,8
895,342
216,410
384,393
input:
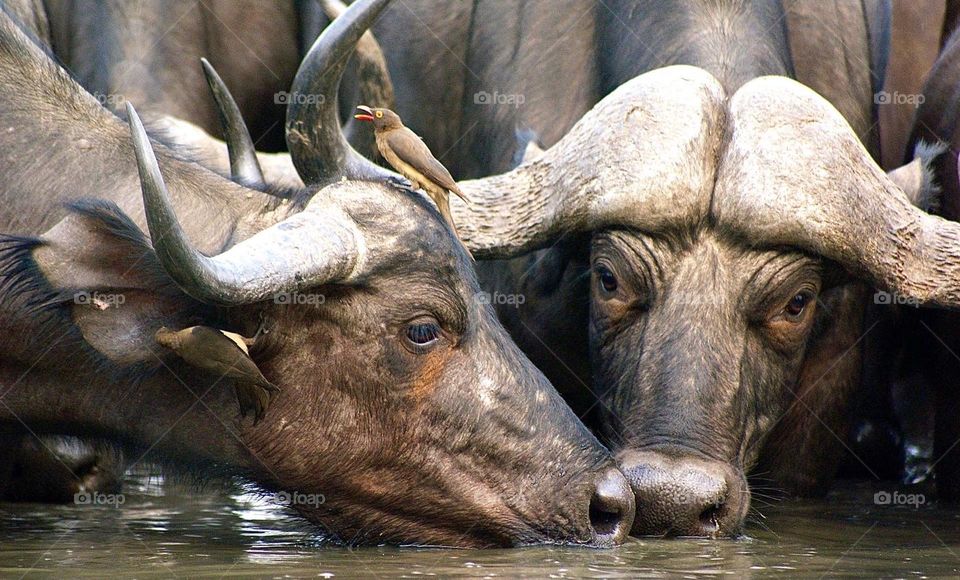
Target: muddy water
x,y
164,530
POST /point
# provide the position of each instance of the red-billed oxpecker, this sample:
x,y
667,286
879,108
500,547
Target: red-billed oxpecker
x,y
406,152
224,354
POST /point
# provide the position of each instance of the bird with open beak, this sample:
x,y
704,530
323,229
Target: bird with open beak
x,y
406,152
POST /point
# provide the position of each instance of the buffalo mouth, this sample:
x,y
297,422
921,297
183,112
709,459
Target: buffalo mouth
x,y
596,511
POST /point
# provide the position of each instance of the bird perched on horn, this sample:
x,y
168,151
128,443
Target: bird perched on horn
x,y
406,152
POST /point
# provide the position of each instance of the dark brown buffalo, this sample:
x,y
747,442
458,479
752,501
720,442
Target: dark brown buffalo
x,y
257,47
915,38
403,402
139,50
671,325
135,51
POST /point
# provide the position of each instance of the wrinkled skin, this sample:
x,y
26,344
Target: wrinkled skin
x,y
719,348
458,442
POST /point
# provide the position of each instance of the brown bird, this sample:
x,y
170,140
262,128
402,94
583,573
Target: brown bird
x,y
406,152
224,354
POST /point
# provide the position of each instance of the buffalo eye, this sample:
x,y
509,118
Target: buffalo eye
x,y
421,336
608,282
794,309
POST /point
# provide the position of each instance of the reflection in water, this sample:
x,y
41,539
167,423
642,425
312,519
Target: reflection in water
x,y
169,530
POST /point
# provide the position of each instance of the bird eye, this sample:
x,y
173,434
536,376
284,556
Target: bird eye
x,y
422,336
379,114
608,282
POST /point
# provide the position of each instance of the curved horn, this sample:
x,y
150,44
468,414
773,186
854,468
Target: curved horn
x,y
375,87
307,249
627,162
832,199
319,150
244,166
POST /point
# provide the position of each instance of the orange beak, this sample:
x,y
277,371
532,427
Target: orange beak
x,y
366,115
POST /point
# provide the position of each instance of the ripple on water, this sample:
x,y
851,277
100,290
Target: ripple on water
x,y
175,530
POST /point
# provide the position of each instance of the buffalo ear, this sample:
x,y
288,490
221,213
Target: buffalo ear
x,y
107,276
916,178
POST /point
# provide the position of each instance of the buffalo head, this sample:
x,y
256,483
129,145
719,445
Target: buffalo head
x,y
710,328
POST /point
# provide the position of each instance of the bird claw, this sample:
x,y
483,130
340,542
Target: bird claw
x,y
264,327
254,400
401,183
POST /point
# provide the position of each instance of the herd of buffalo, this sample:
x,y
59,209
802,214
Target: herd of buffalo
x,y
681,271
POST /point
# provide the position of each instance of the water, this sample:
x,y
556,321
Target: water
x,y
164,530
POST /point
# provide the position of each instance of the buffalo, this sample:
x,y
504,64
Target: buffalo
x,y
402,401
663,326
130,52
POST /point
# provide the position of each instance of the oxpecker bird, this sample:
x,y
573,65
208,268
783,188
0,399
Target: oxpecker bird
x,y
406,152
223,354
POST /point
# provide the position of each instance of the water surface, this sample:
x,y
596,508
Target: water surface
x,y
163,530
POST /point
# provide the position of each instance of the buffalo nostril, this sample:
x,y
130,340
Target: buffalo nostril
x,y
604,518
612,508
710,519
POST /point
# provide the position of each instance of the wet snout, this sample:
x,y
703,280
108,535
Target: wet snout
x,y
682,494
611,509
